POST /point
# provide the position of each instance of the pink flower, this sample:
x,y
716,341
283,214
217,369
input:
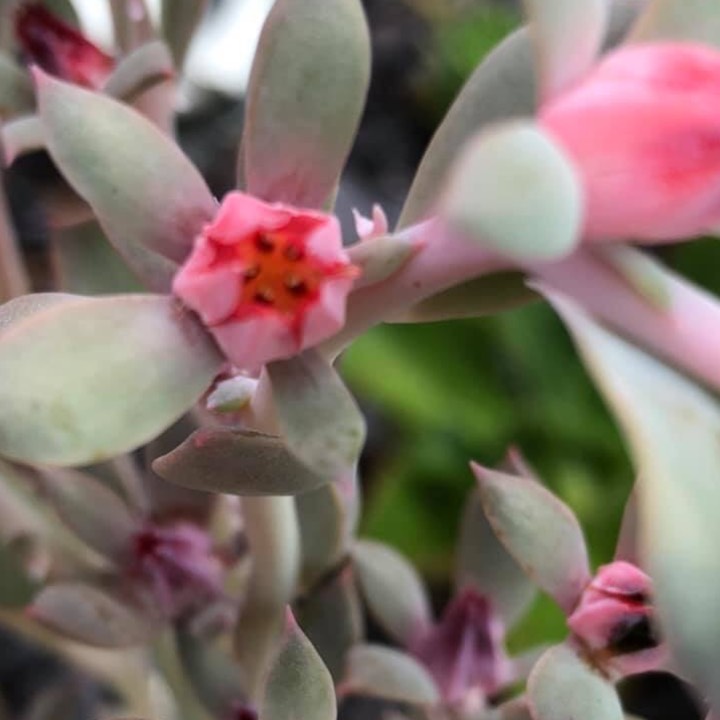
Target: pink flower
x,y
464,651
642,129
268,280
177,563
59,49
615,619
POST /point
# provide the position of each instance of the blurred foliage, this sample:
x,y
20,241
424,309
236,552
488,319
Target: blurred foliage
x,y
460,39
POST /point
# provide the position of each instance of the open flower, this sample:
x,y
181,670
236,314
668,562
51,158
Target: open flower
x,y
615,619
267,280
642,131
464,652
59,49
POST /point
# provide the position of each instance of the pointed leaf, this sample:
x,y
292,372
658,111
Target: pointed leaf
x,y
149,198
381,257
567,36
16,91
299,685
672,427
680,20
563,686
92,511
331,616
305,97
485,564
121,370
539,531
21,136
93,616
17,586
378,671
238,462
393,590
318,417
514,191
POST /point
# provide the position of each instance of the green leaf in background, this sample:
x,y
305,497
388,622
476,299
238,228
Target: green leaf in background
x,y
563,686
68,408
16,92
180,19
306,94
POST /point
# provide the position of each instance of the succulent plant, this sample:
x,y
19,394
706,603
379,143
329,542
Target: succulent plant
x,y
180,463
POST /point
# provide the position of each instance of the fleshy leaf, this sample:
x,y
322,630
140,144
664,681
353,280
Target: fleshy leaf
x,y
567,35
17,587
149,198
91,616
143,68
238,462
378,671
331,617
144,362
514,191
501,88
681,20
16,92
21,136
318,417
539,531
96,514
485,564
179,20
563,686
379,258
512,710
393,590
672,427
298,685
305,97
326,518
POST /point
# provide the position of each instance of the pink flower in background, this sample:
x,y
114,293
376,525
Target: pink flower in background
x,y
464,652
268,280
616,619
179,566
59,49
643,130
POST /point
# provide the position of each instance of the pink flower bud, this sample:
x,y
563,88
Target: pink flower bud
x,y
615,619
642,129
268,280
59,49
177,564
464,651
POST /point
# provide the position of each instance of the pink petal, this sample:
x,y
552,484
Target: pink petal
x,y
242,214
326,316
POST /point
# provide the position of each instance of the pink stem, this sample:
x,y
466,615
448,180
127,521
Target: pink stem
x,y
685,330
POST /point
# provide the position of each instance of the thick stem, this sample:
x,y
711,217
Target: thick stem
x,y
684,329
441,261
273,533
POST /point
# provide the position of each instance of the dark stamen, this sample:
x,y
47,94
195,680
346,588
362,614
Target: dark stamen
x,y
264,243
265,295
252,272
295,285
293,253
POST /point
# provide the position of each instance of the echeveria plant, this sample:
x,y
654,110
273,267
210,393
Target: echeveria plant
x,y
208,541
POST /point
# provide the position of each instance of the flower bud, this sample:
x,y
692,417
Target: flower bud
x,y
59,49
642,131
268,280
615,619
464,651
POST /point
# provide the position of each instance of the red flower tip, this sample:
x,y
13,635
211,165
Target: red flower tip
x,y
268,280
59,49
